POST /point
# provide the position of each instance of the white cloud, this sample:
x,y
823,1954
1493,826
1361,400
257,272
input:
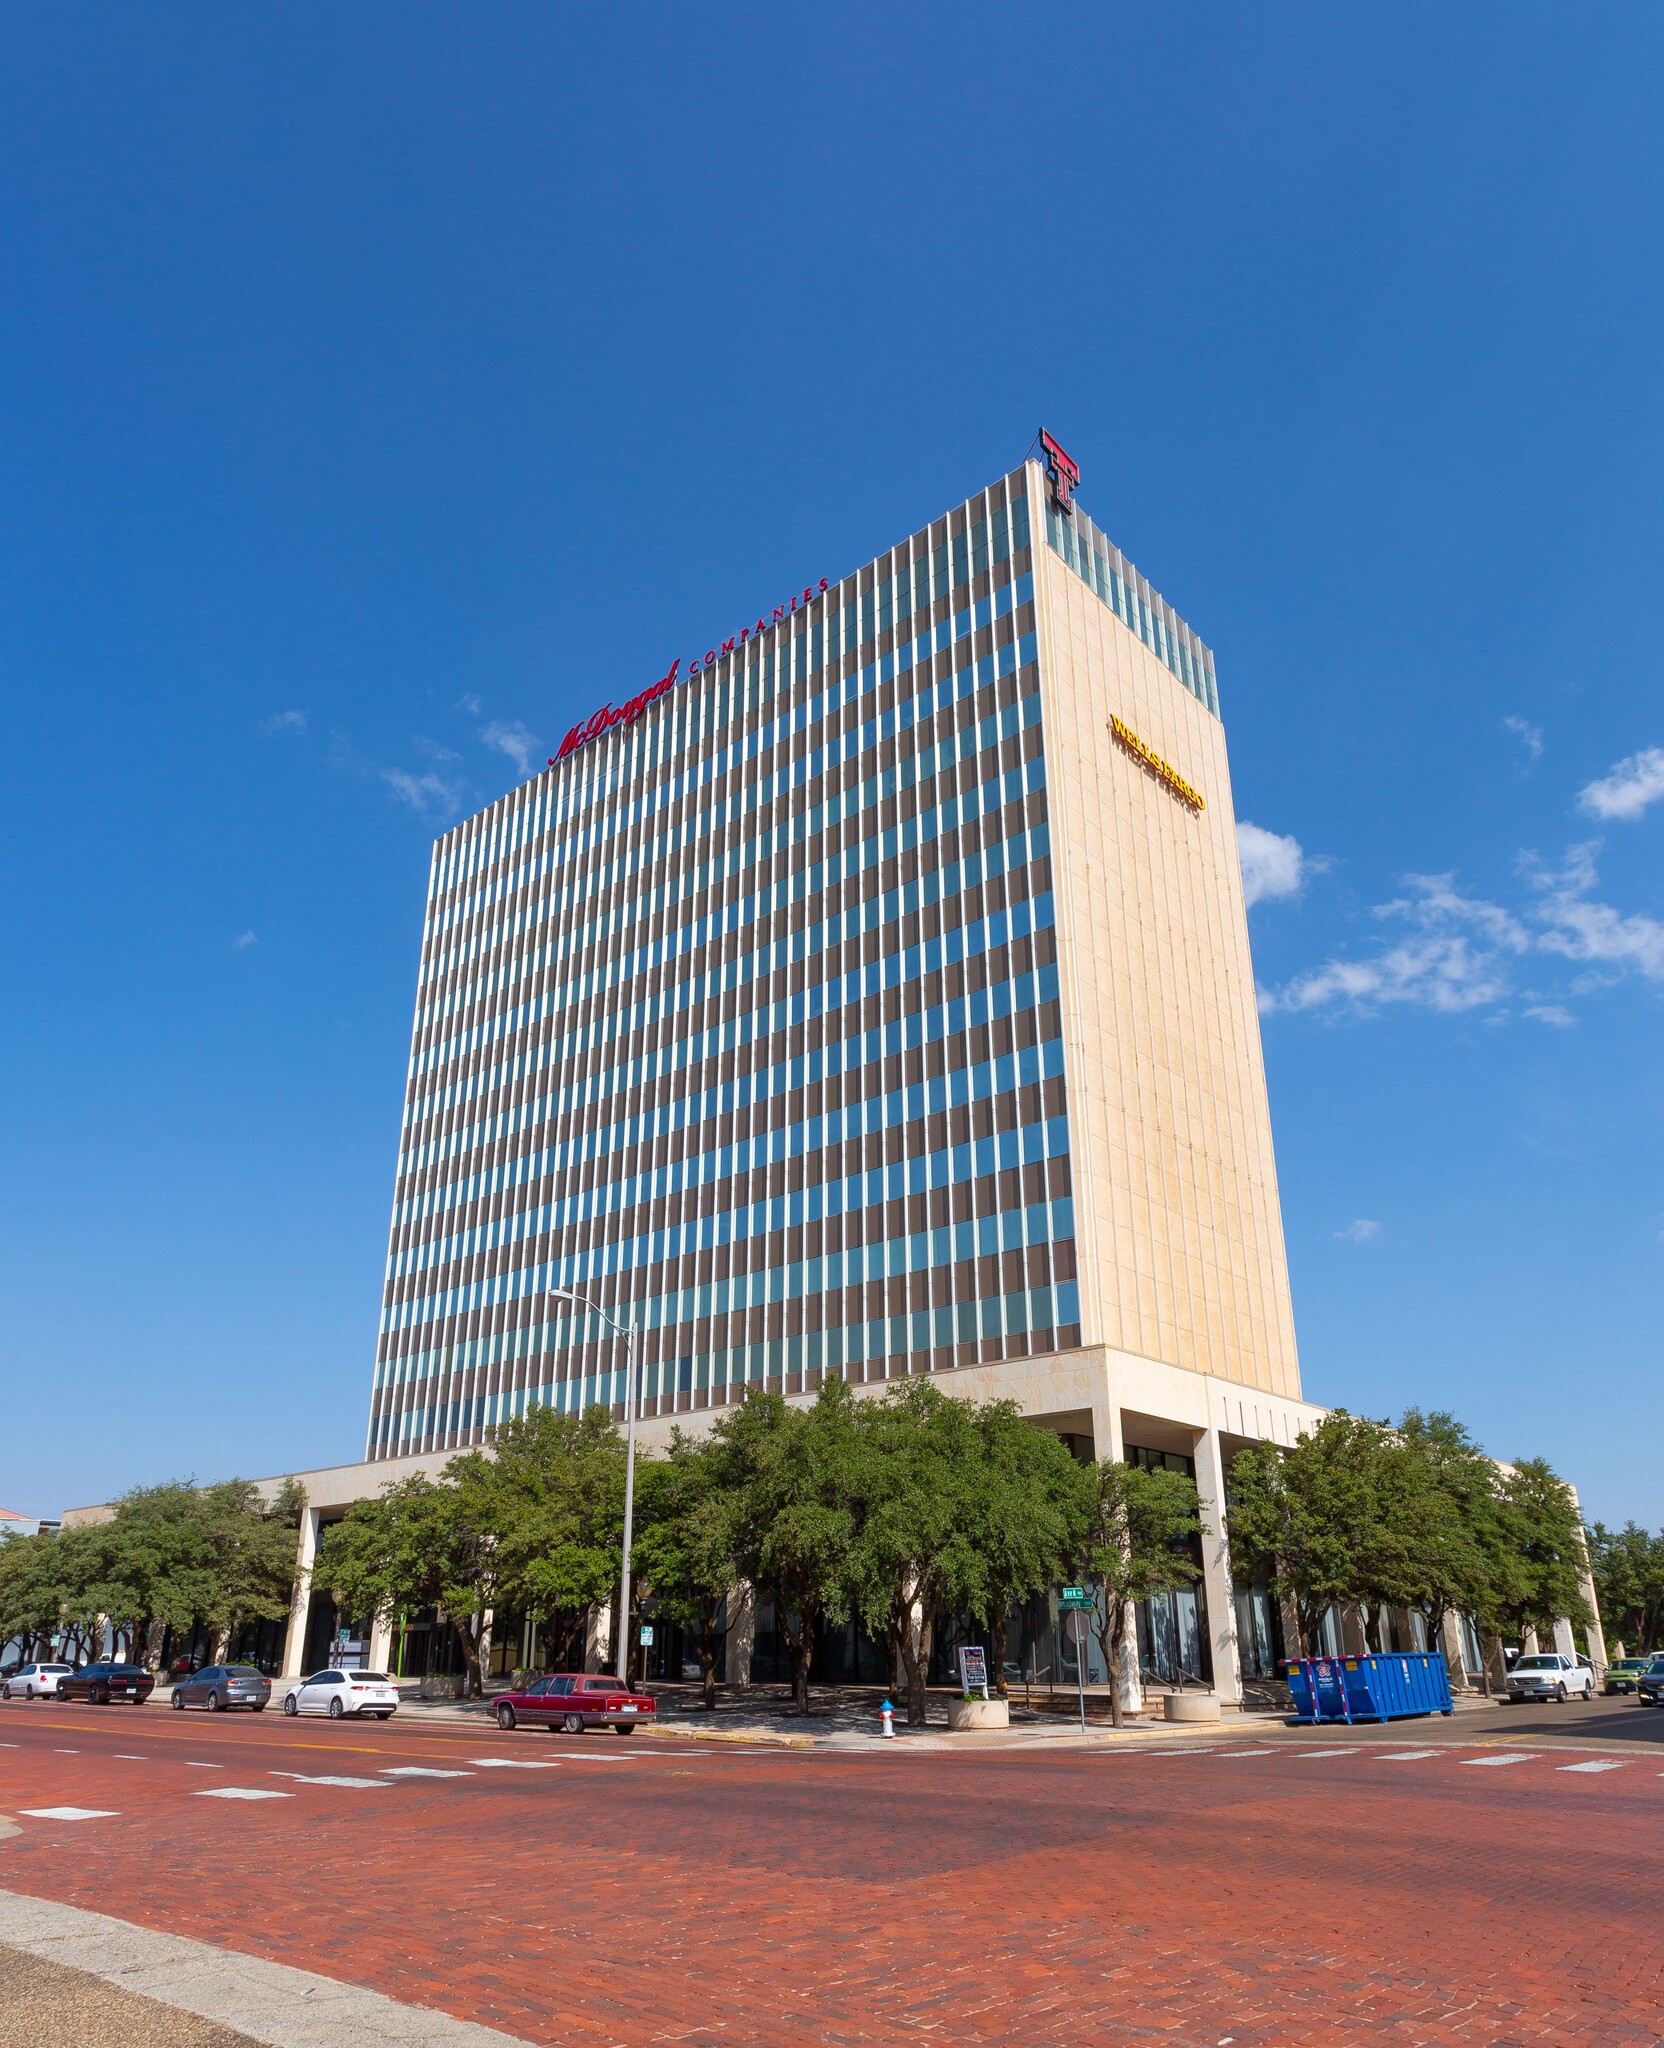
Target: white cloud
x,y
1531,736
514,740
424,793
1460,952
281,721
243,941
1579,929
1454,961
1628,789
1272,865
1360,1231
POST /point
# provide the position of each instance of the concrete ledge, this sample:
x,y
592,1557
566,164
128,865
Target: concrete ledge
x,y
979,1714
267,2002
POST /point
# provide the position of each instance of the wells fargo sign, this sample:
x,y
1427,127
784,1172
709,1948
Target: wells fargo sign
x,y
1163,771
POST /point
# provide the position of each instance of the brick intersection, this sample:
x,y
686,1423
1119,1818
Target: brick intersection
x,y
666,1896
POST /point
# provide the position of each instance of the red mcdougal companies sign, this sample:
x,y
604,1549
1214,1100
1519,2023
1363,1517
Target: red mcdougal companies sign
x,y
610,715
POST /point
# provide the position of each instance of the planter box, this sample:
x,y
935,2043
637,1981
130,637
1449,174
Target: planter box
x,y
979,1714
1192,1706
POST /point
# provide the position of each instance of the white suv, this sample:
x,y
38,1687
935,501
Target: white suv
x,y
35,1681
1550,1678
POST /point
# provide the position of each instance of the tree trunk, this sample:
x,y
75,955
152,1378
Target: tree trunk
x,y
914,1634
799,1632
1117,1657
707,1659
996,1650
467,1635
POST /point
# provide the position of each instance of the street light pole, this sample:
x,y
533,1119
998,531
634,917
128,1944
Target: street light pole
x,y
627,1331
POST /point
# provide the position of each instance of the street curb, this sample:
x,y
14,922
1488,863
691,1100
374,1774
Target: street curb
x,y
268,2002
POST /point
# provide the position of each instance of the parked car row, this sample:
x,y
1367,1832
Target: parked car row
x,y
216,1688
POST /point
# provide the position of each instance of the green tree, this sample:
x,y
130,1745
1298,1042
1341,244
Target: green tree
x,y
683,1550
1026,1514
1627,1565
1538,1569
917,1475
557,1507
1307,1517
786,1473
1440,1520
1136,1544
32,1591
422,1543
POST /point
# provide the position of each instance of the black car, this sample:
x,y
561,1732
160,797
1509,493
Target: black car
x,y
1650,1685
102,1683
218,1686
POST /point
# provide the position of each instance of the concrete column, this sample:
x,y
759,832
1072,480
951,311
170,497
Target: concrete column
x,y
1531,1647
486,1623
742,1635
380,1648
1564,1641
1216,1570
1596,1634
300,1604
598,1639
1109,1442
1455,1654
1353,1641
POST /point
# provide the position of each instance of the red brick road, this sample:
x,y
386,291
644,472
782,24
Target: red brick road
x,y
657,1894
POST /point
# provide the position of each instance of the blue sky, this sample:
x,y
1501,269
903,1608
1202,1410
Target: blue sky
x,y
379,393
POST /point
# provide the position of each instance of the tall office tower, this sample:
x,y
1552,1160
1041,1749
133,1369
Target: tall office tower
x,y
871,997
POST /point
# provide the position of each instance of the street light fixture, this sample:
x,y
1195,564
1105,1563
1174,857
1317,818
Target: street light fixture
x,y
628,1332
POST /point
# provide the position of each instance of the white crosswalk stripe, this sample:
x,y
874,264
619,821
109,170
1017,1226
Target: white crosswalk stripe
x,y
1606,1766
420,1771
70,1812
1523,1756
1406,1756
240,1792
513,1763
358,1784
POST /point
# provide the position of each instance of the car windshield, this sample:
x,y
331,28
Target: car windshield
x,y
369,1678
1538,1664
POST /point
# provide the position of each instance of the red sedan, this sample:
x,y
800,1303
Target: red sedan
x,y
573,1702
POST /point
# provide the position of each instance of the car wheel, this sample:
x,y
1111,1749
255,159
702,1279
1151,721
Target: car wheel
x,y
335,1710
178,1702
214,1703
257,1707
289,1705
505,1715
573,1724
1560,1694
385,1714
101,1695
625,1727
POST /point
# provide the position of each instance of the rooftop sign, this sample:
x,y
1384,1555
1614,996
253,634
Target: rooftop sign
x,y
610,715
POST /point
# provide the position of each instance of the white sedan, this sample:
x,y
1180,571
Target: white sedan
x,y
1550,1678
338,1693
35,1681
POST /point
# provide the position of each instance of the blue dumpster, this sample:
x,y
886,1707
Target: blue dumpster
x,y
1385,1688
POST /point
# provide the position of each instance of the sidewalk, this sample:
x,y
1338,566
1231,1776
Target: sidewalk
x,y
847,1720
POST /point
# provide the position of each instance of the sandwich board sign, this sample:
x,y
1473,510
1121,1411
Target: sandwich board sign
x,y
973,1668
